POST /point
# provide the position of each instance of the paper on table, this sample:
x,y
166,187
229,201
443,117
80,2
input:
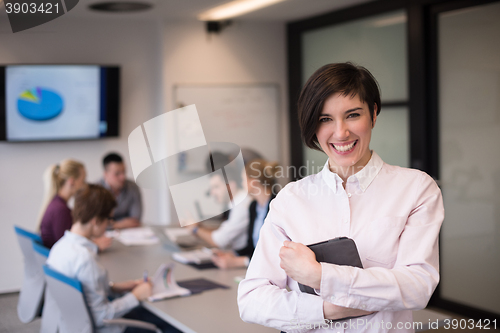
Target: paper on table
x,y
164,284
135,236
112,233
193,257
174,233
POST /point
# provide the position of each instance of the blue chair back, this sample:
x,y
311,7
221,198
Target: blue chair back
x,y
31,294
41,253
50,311
70,299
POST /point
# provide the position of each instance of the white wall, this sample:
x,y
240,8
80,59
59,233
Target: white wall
x,y
245,52
153,58
137,49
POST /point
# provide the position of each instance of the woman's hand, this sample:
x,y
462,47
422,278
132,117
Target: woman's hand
x,y
124,286
224,260
142,291
299,263
334,312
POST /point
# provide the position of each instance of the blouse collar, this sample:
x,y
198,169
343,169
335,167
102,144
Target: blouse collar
x,y
364,177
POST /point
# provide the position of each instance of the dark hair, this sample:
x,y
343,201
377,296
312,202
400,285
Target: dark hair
x,y
345,78
111,158
92,201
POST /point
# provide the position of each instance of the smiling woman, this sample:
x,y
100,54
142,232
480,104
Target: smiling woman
x,y
393,214
340,124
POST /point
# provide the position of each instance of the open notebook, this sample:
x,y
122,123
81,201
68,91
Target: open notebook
x,y
199,256
164,284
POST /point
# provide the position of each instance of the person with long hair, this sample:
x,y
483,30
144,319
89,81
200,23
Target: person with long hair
x,y
393,215
62,181
260,182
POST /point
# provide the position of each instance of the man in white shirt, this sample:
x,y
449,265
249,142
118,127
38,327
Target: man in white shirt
x,y
232,233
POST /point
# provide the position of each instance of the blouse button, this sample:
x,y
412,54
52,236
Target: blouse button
x,y
349,195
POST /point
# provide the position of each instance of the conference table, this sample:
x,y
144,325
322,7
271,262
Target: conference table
x,y
212,311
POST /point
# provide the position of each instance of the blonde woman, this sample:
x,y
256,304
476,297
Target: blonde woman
x,y
62,181
261,181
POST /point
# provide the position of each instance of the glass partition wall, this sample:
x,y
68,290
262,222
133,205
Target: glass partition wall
x,y
438,66
469,154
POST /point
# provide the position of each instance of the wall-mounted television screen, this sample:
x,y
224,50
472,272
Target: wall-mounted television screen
x,y
58,102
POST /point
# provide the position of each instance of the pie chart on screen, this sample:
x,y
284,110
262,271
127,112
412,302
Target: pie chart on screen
x,y
39,104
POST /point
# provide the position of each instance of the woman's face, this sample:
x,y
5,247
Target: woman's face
x,y
345,131
218,188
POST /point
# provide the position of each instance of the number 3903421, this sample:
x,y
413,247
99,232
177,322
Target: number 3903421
x,y
32,8
484,324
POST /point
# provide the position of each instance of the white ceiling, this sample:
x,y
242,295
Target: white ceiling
x,y
288,10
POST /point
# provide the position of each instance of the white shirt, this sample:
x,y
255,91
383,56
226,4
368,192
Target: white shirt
x,y
75,256
393,214
232,233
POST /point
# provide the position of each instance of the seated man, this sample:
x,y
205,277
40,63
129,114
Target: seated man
x,y
232,233
127,195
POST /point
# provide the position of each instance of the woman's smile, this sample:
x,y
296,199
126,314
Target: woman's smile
x,y
344,148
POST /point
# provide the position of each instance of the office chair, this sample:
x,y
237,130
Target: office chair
x,y
75,316
50,311
31,294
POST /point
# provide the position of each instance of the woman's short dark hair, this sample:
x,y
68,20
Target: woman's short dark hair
x,y
345,78
92,201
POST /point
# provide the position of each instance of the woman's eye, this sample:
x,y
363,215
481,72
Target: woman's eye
x,y
322,120
353,115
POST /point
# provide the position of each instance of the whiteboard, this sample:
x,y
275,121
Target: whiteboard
x,y
245,114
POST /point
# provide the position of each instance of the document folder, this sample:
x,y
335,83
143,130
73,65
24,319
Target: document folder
x,y
340,251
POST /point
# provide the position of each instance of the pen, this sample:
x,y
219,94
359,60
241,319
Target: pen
x,y
145,275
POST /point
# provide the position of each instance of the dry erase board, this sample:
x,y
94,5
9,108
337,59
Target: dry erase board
x,y
245,114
